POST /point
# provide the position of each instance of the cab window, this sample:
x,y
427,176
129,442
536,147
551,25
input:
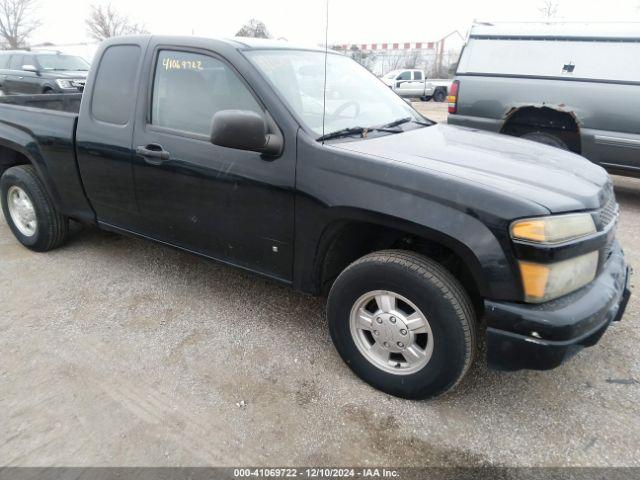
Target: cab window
x,y
16,62
190,88
28,60
417,75
4,60
404,76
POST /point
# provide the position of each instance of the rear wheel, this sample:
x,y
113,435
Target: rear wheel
x,y
546,139
440,95
403,324
29,211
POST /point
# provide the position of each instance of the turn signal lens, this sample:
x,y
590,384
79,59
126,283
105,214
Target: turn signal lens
x,y
553,229
534,278
453,96
544,282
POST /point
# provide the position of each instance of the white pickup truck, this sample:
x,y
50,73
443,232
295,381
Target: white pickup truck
x,y
414,84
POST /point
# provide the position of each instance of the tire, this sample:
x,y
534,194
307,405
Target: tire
x,y
440,96
47,91
546,139
426,98
48,228
421,285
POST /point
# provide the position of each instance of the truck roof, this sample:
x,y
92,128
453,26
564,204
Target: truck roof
x,y
241,43
557,30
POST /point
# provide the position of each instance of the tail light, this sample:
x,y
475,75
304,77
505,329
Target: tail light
x,y
453,96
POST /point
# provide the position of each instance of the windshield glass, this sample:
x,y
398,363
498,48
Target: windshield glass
x,y
355,97
62,62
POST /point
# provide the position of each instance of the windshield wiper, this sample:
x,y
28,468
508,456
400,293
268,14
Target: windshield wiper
x,y
397,123
343,132
402,121
346,132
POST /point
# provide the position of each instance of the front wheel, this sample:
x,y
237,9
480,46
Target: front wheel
x,y
29,211
403,324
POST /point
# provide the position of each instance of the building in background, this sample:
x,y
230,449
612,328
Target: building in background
x,y
436,58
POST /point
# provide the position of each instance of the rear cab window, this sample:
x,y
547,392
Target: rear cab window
x,y
115,89
4,60
16,62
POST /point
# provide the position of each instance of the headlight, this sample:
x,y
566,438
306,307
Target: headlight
x,y
553,229
64,83
544,282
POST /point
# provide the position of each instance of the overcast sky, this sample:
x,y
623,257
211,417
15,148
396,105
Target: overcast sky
x,y
302,21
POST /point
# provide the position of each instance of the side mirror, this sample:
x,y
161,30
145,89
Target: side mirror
x,y
244,130
30,68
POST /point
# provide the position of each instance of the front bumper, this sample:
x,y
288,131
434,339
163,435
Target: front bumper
x,y
541,337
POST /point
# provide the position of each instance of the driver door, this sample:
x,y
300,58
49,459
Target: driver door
x,y
228,204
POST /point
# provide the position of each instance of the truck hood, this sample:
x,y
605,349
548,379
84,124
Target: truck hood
x,y
555,179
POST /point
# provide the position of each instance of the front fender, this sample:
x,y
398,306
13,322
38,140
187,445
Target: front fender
x,y
334,185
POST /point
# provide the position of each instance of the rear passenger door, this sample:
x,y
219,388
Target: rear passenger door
x,y
29,83
12,83
232,205
4,64
105,132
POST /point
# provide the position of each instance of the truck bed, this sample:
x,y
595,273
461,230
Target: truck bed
x,y
63,103
42,128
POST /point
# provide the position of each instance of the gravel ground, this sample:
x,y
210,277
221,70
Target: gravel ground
x,y
119,352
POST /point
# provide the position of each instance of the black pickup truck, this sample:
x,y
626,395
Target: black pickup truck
x,y
421,235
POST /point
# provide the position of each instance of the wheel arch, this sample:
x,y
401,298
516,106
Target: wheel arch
x,y
554,119
347,239
17,148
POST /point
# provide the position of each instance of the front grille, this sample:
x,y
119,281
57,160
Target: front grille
x,y
607,215
608,212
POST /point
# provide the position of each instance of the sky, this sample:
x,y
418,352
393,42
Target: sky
x,y
303,21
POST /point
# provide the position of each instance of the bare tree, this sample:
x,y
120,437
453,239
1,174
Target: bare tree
x,y
412,59
394,61
104,22
255,29
549,8
17,22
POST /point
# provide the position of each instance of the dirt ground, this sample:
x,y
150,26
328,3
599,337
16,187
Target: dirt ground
x,y
120,352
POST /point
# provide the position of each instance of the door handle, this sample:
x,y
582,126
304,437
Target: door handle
x,y
153,153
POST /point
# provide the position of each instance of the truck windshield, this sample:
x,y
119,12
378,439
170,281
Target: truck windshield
x,y
355,98
62,62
